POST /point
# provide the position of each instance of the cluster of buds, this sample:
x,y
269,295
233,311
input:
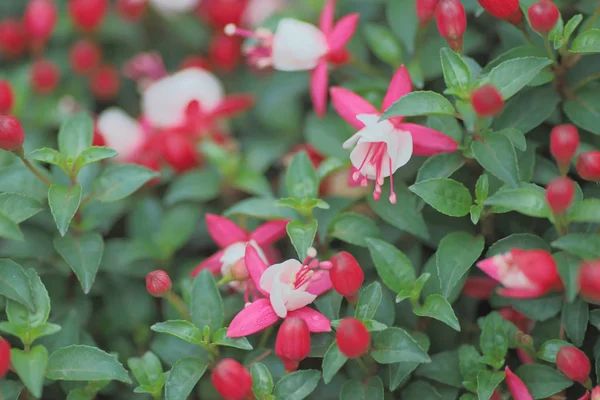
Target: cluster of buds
x,y
232,380
88,15
487,101
85,58
353,338
32,31
451,20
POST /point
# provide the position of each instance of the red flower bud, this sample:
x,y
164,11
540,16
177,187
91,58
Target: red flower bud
x,y
564,141
11,133
105,82
346,274
88,14
225,51
451,20
158,283
7,97
588,165
426,10
13,39
508,10
596,393
4,357
487,101
589,280
231,380
573,363
220,13
293,342
131,10
560,194
543,15
44,77
85,56
195,62
180,152
353,338
40,19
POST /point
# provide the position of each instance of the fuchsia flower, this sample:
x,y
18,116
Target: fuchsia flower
x,y
234,242
381,147
300,46
121,133
524,273
516,386
288,287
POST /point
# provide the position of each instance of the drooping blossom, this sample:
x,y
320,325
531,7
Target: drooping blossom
x,y
234,242
288,288
121,133
300,46
524,274
381,147
517,388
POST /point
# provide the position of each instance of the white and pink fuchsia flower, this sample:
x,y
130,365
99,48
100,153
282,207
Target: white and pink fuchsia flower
x,y
381,147
300,46
288,288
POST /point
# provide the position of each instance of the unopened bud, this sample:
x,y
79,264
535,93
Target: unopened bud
x,y
543,16
451,20
11,133
158,283
293,342
573,363
353,338
231,380
560,194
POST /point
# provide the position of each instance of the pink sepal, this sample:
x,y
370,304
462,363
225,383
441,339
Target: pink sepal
x,y
349,105
342,32
256,267
318,88
427,141
223,231
320,283
316,321
516,386
254,318
269,232
233,105
327,17
400,86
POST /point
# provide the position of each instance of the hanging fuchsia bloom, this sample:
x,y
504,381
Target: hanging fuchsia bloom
x,y
524,273
234,242
288,287
516,386
300,46
121,132
381,147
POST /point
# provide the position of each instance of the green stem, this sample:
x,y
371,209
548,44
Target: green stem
x,y
265,336
35,171
179,305
224,280
549,48
526,34
593,19
363,365
584,82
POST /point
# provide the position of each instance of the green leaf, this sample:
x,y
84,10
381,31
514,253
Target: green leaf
x,y
120,181
262,381
526,201
437,307
147,370
571,26
182,329
494,340
369,298
586,42
421,390
176,227
447,196
183,377
487,382
202,185
49,156
206,303
513,75
443,368
353,228
457,74
260,207
516,137
575,318
333,361
92,155
497,155
419,103
10,390
297,385
19,314
371,389
543,381
252,181
568,268
538,309
396,345
220,338
31,368
528,109
393,267
469,362
586,246
402,19
549,349
302,235
9,229
301,178
584,109
19,207
83,253
586,211
15,284
64,202
85,363
75,135
383,44
440,166
457,252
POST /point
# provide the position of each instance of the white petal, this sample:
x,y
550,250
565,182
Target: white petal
x,y
369,119
280,292
298,299
276,271
165,101
174,6
351,141
297,45
399,149
257,11
232,254
121,132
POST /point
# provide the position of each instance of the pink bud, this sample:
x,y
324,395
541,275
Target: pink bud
x,y
44,77
293,342
13,39
220,13
426,10
564,141
516,386
239,270
39,19
7,97
589,280
180,152
131,10
508,10
346,274
4,357
158,283
105,82
574,364
85,56
353,338
231,380
487,101
88,14
225,51
11,133
451,21
560,194
588,165
543,16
